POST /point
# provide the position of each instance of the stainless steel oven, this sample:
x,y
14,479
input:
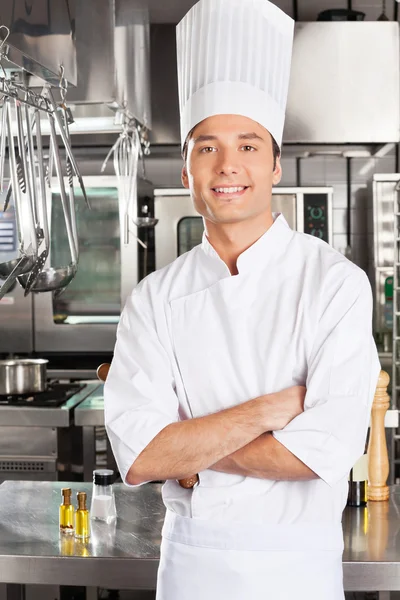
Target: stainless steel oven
x,y
83,319
180,227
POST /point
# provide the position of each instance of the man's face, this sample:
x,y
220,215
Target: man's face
x,y
230,169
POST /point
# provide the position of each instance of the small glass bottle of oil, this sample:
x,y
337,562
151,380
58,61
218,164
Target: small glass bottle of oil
x,y
82,522
67,513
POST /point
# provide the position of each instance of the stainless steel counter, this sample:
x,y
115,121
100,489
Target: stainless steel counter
x,y
125,556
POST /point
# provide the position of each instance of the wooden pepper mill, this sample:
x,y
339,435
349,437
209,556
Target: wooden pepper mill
x,y
378,460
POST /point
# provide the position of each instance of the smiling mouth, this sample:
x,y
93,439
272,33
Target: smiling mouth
x,y
230,192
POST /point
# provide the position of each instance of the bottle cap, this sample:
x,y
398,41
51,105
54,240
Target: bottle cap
x,y
81,500
66,493
103,476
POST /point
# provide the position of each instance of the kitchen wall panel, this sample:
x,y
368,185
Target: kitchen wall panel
x,y
373,8
172,11
289,171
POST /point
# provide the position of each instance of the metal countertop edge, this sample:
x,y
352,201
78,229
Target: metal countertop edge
x,y
73,570
371,576
141,573
60,416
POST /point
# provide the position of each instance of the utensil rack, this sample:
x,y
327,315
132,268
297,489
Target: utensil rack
x,y
25,95
27,169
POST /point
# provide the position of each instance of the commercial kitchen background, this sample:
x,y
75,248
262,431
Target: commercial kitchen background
x,y
341,140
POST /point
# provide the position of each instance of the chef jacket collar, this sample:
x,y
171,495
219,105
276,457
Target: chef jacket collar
x,y
267,247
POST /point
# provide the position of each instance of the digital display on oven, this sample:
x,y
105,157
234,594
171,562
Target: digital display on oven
x,y
316,219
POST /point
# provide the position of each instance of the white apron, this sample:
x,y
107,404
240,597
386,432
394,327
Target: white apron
x,y
202,561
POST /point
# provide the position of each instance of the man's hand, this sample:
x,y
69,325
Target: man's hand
x,y
284,406
281,408
265,458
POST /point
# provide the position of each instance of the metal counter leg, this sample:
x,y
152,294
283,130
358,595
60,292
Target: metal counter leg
x,y
15,591
89,452
92,593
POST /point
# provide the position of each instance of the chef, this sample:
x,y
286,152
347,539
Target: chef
x,y
244,372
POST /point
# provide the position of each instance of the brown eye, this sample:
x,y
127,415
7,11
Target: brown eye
x,y
248,148
207,149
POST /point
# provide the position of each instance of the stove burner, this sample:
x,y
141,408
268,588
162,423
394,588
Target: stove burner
x,y
55,395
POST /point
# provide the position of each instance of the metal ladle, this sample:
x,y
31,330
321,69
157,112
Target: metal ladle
x,y
52,279
145,220
24,180
11,269
28,282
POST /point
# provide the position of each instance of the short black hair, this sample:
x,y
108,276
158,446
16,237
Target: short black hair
x,y
275,148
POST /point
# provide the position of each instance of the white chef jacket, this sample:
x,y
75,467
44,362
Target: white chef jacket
x,y
194,340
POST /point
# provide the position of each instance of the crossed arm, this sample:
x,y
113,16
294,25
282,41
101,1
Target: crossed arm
x,y
236,440
265,458
342,370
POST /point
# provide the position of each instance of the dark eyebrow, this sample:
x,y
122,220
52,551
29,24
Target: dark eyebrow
x,y
241,136
250,136
204,138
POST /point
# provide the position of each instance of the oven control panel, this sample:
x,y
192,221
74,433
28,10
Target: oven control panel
x,y
316,216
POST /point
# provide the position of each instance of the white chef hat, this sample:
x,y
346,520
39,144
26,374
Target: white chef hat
x,y
234,58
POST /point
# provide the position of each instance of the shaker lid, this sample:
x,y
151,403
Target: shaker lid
x,y
103,476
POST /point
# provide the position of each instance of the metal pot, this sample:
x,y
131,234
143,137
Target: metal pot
x,y
23,375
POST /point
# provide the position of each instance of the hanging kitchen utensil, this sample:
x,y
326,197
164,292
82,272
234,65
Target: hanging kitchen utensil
x,y
29,189
3,137
28,207
68,120
22,265
42,211
49,168
143,133
123,170
383,16
145,220
66,143
42,184
126,152
52,279
28,281
56,279
31,171
11,269
8,197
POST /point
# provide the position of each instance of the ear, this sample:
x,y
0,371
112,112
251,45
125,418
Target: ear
x,y
184,177
277,174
